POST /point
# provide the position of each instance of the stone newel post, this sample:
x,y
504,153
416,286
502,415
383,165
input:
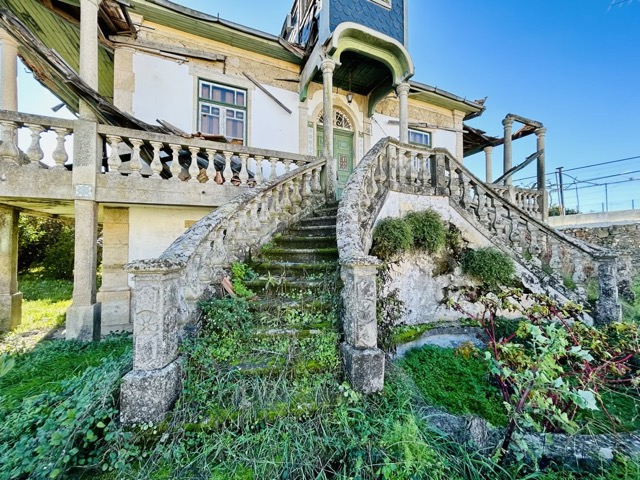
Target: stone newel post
x,y
151,388
608,309
363,360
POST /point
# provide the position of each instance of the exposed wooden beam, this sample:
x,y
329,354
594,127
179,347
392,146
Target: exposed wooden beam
x,y
172,49
267,92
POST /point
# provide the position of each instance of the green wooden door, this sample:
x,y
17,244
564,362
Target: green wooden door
x,y
343,153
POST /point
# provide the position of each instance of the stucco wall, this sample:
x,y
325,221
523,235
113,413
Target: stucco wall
x,y
152,230
422,291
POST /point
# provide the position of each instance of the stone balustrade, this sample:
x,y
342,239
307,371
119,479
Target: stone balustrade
x,y
167,289
142,154
528,200
36,125
392,166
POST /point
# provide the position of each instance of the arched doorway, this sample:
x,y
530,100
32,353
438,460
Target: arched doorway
x,y
343,133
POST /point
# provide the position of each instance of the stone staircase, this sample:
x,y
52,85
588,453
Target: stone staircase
x,y
297,285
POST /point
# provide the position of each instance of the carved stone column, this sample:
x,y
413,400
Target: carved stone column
x,y
328,66
115,295
542,187
10,297
8,72
149,391
608,309
488,153
363,360
508,152
403,99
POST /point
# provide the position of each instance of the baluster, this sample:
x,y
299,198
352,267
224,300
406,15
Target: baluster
x,y
391,157
211,167
194,169
422,171
230,234
254,220
413,170
176,168
286,201
296,198
228,172
287,165
59,154
276,206
273,161
264,212
481,212
439,168
8,150
316,187
454,185
34,152
244,174
217,256
156,163
465,199
306,189
402,166
114,158
371,179
258,173
136,162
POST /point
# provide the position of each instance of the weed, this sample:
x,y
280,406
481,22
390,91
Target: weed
x,y
488,265
569,282
392,237
428,230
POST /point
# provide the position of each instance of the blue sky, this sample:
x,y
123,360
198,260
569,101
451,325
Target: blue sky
x,y
572,64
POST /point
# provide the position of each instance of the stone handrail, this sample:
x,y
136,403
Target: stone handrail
x,y
392,166
166,289
143,154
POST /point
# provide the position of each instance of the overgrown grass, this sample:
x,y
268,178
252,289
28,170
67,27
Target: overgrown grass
x,y
455,380
44,306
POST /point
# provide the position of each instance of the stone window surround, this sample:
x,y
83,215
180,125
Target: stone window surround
x,y
210,75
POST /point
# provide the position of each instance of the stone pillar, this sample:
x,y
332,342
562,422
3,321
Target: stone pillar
x,y
328,66
363,360
83,317
542,186
508,152
8,72
124,81
149,391
115,295
458,119
403,100
88,50
10,298
488,153
608,309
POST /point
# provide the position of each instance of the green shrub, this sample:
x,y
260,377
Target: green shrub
x,y
488,265
46,242
391,237
428,230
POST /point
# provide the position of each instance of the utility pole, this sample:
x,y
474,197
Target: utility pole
x,y
561,190
606,195
577,199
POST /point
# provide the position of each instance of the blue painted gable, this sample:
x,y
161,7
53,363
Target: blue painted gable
x,y
370,14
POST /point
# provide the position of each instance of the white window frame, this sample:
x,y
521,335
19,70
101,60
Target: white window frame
x,y
224,108
428,135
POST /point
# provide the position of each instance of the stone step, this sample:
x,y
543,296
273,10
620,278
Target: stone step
x,y
301,255
291,268
319,221
312,231
289,284
299,331
290,241
326,212
310,303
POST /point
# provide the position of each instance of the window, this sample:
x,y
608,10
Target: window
x,y
223,110
420,138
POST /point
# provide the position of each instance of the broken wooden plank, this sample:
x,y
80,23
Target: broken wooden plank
x,y
519,167
267,92
170,49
